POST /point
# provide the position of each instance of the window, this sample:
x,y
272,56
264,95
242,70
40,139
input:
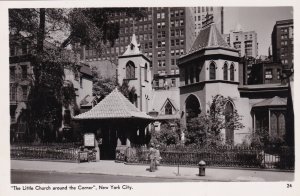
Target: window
x,y
172,42
181,22
168,109
172,52
162,15
278,74
172,33
146,72
159,44
130,70
24,71
186,76
163,44
225,71
172,61
232,72
158,54
158,15
212,71
173,82
182,42
268,74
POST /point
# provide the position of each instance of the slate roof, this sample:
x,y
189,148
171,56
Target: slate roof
x,y
113,106
208,37
275,101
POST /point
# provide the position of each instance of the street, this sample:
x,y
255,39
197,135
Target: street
x,y
32,177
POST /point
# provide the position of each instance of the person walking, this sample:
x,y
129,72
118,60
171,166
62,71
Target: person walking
x,y
151,156
157,157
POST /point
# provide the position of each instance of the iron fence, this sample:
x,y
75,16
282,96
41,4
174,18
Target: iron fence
x,y
245,157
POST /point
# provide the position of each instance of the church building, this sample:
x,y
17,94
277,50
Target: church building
x,y
211,68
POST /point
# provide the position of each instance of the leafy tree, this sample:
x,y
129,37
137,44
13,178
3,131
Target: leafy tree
x,y
206,129
169,134
50,32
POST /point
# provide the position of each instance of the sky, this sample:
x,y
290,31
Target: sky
x,y
259,19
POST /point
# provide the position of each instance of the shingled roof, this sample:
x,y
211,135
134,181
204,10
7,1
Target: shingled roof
x,y
275,101
113,106
208,37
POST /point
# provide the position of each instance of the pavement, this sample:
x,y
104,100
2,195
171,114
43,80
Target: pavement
x,y
121,169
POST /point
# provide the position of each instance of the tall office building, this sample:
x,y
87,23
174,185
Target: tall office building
x,y
283,42
200,15
244,42
164,34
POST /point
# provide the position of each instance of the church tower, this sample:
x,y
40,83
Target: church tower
x,y
210,68
134,68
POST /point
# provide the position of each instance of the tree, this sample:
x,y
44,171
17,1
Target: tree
x,y
51,31
206,129
169,134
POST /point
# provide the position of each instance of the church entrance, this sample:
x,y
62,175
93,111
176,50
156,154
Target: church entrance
x,y
192,107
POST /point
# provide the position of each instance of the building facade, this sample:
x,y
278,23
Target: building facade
x,y
211,68
165,34
244,42
21,75
283,42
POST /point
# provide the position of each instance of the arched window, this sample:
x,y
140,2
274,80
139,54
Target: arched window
x,y
146,71
225,71
232,72
192,74
229,134
130,70
168,109
212,71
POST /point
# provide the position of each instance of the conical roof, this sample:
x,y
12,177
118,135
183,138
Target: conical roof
x,y
208,37
275,101
113,106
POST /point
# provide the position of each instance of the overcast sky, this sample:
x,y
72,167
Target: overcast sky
x,y
259,19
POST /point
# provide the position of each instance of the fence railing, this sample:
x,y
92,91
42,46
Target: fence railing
x,y
246,157
50,151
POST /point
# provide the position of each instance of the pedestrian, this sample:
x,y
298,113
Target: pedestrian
x,y
157,157
151,156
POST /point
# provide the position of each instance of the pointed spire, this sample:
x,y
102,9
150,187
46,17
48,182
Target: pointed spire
x,y
133,47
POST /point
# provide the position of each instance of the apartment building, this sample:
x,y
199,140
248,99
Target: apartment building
x,y
283,42
244,42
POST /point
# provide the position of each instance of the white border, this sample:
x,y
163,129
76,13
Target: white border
x,y
201,188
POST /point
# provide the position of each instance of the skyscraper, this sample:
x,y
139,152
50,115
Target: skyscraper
x,y
164,34
283,42
244,42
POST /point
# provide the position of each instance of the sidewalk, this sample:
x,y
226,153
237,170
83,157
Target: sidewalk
x,y
112,168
